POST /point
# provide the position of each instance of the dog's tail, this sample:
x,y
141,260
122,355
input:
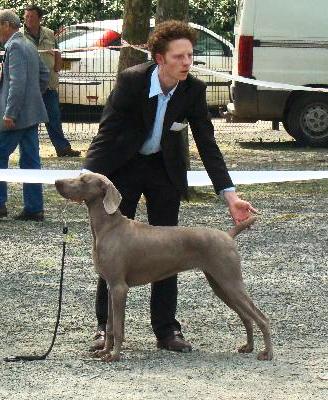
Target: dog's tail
x,y
241,226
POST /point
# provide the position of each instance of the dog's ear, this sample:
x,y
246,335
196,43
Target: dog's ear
x,y
112,198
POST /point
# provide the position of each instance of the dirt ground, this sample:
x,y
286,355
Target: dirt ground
x,y
284,261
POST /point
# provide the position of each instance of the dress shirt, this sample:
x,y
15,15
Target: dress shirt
x,y
153,142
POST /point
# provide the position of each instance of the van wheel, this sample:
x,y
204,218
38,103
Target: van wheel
x,y
307,120
285,125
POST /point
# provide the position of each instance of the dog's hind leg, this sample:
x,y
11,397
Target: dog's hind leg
x,y
235,296
248,308
248,322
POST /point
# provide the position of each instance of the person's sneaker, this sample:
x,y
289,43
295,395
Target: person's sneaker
x,y
27,216
174,342
3,212
68,152
98,339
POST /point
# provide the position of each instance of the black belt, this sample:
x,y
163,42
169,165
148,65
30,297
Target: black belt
x,y
150,157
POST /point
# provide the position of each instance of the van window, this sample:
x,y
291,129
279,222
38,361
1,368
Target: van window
x,y
239,11
208,46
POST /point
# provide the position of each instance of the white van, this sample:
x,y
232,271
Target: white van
x,y
283,41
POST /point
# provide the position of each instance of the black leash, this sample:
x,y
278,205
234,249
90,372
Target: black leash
x,y
45,355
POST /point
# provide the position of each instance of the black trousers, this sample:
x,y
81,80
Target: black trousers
x,y
147,175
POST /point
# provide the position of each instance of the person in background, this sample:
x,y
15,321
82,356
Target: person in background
x,y
140,148
24,77
44,40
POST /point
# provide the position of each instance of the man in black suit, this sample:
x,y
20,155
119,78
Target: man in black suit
x,y
140,147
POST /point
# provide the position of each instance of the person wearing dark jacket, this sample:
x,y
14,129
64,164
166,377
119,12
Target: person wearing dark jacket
x,y
140,148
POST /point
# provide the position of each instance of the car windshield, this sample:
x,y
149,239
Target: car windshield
x,y
208,46
79,38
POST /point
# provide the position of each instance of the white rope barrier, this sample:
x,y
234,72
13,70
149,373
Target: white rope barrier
x,y
195,178
255,82
223,75
200,178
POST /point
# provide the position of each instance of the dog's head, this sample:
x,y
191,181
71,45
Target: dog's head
x,y
88,187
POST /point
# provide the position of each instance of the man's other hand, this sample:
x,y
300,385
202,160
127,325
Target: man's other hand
x,y
8,122
239,209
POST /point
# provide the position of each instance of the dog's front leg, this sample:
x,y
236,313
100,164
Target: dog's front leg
x,y
109,342
118,294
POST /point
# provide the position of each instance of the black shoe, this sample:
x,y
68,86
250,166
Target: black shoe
x,y
99,339
174,342
27,216
67,152
3,212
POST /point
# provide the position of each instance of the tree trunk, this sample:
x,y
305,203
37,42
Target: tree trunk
x,y
135,31
175,9
172,9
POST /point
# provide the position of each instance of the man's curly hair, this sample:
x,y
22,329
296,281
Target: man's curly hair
x,y
167,31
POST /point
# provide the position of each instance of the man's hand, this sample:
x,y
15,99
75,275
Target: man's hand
x,y
8,122
239,209
50,51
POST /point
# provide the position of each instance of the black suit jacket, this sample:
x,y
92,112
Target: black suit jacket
x,y
129,115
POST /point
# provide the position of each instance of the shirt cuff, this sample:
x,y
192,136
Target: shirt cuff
x,y
229,189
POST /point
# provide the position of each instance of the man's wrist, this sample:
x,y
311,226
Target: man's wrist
x,y
227,190
230,196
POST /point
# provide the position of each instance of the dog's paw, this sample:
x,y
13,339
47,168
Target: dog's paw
x,y
265,355
246,348
99,353
110,357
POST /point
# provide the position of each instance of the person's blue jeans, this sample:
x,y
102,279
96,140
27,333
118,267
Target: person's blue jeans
x,y
54,126
28,141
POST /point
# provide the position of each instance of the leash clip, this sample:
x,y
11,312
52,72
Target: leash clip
x,y
12,359
65,228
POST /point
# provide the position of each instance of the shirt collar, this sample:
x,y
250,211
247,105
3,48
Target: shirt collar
x,y
16,34
36,39
155,86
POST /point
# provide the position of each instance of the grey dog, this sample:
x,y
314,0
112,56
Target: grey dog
x,y
128,253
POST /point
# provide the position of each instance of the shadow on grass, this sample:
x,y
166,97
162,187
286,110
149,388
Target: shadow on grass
x,y
201,195
282,146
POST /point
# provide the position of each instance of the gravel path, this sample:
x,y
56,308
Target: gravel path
x,y
284,266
